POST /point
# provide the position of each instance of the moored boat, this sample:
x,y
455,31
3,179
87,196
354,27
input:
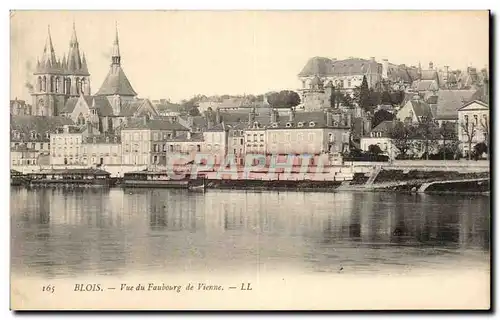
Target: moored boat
x,y
152,179
17,178
71,177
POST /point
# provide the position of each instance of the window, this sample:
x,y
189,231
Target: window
x,y
300,124
274,138
476,122
254,137
115,139
198,147
274,125
330,137
241,141
287,137
155,136
288,124
312,124
300,137
348,83
466,121
261,137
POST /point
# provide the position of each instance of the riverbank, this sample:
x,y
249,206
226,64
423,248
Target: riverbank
x,y
413,181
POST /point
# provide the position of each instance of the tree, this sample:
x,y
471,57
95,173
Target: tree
x,y
386,98
448,135
362,95
480,148
347,101
381,116
332,98
193,111
469,129
283,99
374,149
402,138
210,114
338,96
427,131
485,126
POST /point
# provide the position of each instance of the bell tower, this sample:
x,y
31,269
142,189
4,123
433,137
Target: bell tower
x,y
48,96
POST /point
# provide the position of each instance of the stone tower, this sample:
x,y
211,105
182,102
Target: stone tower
x,y
48,95
116,87
55,81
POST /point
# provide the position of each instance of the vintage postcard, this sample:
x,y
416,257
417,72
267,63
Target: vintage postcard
x,y
250,160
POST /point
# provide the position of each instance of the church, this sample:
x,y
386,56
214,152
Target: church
x,y
62,88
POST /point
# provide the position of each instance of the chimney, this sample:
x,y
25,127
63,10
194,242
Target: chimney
x,y
385,68
334,59
274,116
66,128
291,115
431,65
372,59
217,116
189,135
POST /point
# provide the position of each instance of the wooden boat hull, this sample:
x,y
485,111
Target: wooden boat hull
x,y
64,182
182,184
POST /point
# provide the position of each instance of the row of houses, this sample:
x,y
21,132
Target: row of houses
x,y
149,141
469,125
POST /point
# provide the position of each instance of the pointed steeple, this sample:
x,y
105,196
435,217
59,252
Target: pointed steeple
x,y
115,55
63,63
74,38
49,60
116,82
74,60
84,64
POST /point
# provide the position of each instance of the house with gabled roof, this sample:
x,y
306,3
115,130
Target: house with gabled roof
x,y
473,124
449,101
415,111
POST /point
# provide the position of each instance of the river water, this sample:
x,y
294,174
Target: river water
x,y
61,234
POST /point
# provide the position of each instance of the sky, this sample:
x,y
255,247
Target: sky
x,y
177,54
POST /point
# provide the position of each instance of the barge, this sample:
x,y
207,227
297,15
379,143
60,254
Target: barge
x,y
17,178
153,179
71,177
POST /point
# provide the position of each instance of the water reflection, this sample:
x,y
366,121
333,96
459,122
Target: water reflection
x,y
68,232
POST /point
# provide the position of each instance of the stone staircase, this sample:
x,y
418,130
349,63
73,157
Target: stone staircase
x,y
373,176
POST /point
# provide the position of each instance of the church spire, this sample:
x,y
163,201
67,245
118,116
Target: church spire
x,y
74,63
84,64
115,56
49,57
74,39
